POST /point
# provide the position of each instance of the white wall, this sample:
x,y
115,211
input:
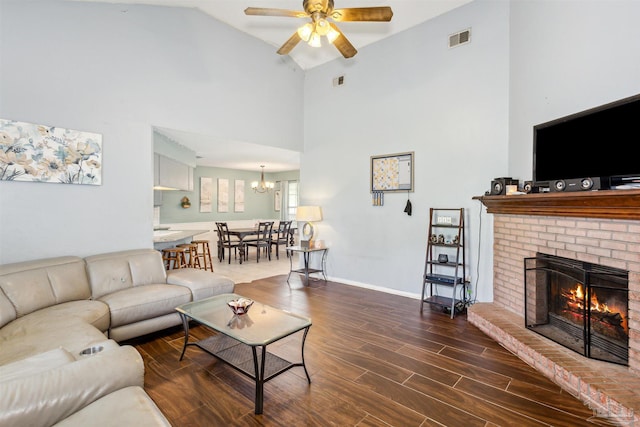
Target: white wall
x,y
120,70
409,93
567,57
467,113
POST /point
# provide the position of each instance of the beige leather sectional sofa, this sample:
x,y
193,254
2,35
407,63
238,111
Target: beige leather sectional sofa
x,y
60,323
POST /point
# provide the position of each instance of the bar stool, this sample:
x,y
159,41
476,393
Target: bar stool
x,y
203,252
177,255
191,249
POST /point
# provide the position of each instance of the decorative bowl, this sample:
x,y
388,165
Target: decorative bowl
x,y
240,306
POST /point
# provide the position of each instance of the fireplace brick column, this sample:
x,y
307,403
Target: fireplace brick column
x,y
610,242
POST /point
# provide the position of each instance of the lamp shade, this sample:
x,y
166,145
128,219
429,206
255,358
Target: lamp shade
x,y
309,213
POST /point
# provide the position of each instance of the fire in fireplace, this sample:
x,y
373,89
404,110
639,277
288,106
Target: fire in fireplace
x,y
580,305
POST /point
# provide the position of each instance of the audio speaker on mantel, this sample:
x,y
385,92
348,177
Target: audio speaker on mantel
x,y
499,185
531,187
580,184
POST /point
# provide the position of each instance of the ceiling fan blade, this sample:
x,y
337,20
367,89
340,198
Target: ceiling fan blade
x,y
343,44
382,13
289,44
266,11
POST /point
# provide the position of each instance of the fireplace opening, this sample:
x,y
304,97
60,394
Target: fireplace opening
x,y
580,305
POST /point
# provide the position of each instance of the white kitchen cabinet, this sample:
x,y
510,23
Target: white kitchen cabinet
x,y
171,174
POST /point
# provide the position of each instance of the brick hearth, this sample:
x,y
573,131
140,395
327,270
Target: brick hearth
x,y
611,390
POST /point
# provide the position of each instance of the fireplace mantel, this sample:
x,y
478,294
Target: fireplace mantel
x,y
613,204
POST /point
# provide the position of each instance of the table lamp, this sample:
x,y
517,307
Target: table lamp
x,y
308,215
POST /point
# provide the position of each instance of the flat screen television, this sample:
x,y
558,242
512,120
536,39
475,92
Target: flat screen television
x,y
598,142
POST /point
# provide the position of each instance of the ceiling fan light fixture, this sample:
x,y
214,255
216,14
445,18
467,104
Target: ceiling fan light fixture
x,y
332,35
322,13
322,27
314,40
305,31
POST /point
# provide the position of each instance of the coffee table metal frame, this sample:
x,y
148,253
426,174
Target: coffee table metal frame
x,y
237,346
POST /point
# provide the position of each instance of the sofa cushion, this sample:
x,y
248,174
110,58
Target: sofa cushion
x,y
202,283
144,327
33,285
144,302
95,313
115,271
129,406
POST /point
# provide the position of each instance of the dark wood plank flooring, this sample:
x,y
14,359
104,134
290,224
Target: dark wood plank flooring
x,y
374,361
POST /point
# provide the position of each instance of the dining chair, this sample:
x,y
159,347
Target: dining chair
x,y
262,240
225,241
282,237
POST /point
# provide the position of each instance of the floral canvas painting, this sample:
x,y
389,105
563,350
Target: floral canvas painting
x,y
40,153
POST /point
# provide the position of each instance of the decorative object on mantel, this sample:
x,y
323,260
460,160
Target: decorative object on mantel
x,y
262,186
40,153
392,172
308,215
185,202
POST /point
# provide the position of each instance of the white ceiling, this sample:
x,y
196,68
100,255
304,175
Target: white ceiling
x,y
234,154
275,31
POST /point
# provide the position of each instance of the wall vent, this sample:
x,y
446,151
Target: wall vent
x,y
460,38
338,81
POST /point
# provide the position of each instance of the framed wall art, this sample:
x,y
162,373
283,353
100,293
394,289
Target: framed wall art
x,y
40,153
392,172
277,200
206,194
238,196
223,195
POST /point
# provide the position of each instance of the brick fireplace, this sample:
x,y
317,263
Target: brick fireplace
x,y
600,227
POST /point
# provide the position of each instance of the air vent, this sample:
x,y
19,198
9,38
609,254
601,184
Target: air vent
x,y
460,38
338,81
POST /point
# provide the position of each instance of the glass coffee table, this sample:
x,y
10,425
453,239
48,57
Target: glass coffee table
x,y
242,340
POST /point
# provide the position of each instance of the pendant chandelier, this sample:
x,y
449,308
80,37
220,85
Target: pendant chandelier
x,y
262,186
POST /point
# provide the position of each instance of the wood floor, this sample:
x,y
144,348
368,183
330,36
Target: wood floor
x,y
374,360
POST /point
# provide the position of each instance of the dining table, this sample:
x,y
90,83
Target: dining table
x,y
242,233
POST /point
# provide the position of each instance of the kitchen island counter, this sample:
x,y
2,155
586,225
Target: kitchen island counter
x,y
169,238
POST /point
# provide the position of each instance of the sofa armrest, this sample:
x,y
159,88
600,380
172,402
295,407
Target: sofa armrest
x,y
35,364
50,396
126,407
202,283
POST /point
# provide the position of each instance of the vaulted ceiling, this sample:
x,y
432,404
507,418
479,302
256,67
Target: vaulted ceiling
x,y
275,31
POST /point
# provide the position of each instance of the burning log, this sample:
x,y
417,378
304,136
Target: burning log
x,y
602,318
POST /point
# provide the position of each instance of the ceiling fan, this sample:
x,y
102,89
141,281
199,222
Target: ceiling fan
x,y
322,13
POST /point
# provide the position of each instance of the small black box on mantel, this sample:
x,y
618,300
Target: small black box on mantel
x,y
499,185
531,187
